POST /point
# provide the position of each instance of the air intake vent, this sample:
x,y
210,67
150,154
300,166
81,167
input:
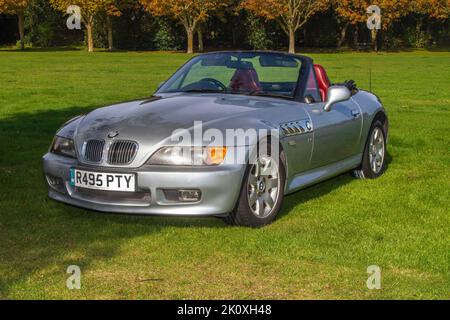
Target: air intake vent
x,y
93,150
122,152
296,128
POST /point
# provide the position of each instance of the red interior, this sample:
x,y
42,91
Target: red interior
x,y
245,80
322,81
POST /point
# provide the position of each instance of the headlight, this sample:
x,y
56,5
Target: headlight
x,y
63,146
189,156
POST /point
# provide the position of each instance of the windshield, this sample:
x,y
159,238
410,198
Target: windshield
x,y
238,73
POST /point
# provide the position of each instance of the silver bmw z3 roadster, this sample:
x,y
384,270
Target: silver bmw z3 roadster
x,y
228,135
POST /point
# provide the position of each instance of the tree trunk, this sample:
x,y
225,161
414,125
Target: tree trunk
x,y
374,35
343,35
419,25
21,29
356,36
190,40
110,33
234,37
429,33
201,46
89,25
291,40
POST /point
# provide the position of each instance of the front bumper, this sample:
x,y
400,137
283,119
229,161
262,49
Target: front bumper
x,y
220,187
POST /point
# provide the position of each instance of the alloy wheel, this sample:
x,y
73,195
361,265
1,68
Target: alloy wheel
x,y
263,186
377,150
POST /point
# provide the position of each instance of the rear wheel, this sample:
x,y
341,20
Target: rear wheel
x,y
262,194
374,158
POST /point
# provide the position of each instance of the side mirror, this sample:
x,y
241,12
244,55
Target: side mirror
x,y
335,95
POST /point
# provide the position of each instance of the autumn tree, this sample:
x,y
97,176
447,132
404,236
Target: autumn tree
x,y
201,45
89,9
229,9
427,10
391,10
112,10
434,9
354,12
291,14
16,7
351,13
190,13
115,9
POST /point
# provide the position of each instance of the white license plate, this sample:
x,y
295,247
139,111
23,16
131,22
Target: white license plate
x,y
124,182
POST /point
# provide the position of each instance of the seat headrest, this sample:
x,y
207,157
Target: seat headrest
x,y
245,80
321,76
322,81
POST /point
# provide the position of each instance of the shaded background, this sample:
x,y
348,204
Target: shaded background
x,y
139,30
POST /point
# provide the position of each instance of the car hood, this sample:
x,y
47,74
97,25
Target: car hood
x,y
152,122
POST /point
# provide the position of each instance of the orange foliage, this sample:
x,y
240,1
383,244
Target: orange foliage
x,y
189,12
292,14
89,8
13,6
354,11
16,7
117,6
436,9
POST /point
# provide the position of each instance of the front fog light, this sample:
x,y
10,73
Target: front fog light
x,y
189,195
55,183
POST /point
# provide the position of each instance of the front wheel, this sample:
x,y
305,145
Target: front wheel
x,y
374,158
262,194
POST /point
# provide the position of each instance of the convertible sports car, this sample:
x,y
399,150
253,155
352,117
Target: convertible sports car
x,y
129,158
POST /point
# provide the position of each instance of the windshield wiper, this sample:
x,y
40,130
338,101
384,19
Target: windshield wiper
x,y
204,91
253,93
226,91
270,95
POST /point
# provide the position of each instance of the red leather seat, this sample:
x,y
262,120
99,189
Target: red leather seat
x,y
322,81
245,80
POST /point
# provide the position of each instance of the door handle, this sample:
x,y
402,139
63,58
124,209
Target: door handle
x,y
356,114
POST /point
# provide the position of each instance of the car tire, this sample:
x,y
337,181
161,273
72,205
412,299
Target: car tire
x,y
375,153
260,201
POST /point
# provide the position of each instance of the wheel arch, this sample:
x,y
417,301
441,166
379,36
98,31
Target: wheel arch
x,y
231,218
383,118
281,148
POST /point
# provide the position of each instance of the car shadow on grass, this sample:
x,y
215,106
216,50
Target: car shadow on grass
x,y
39,236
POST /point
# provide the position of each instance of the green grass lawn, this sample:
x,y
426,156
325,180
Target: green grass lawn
x,y
320,247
